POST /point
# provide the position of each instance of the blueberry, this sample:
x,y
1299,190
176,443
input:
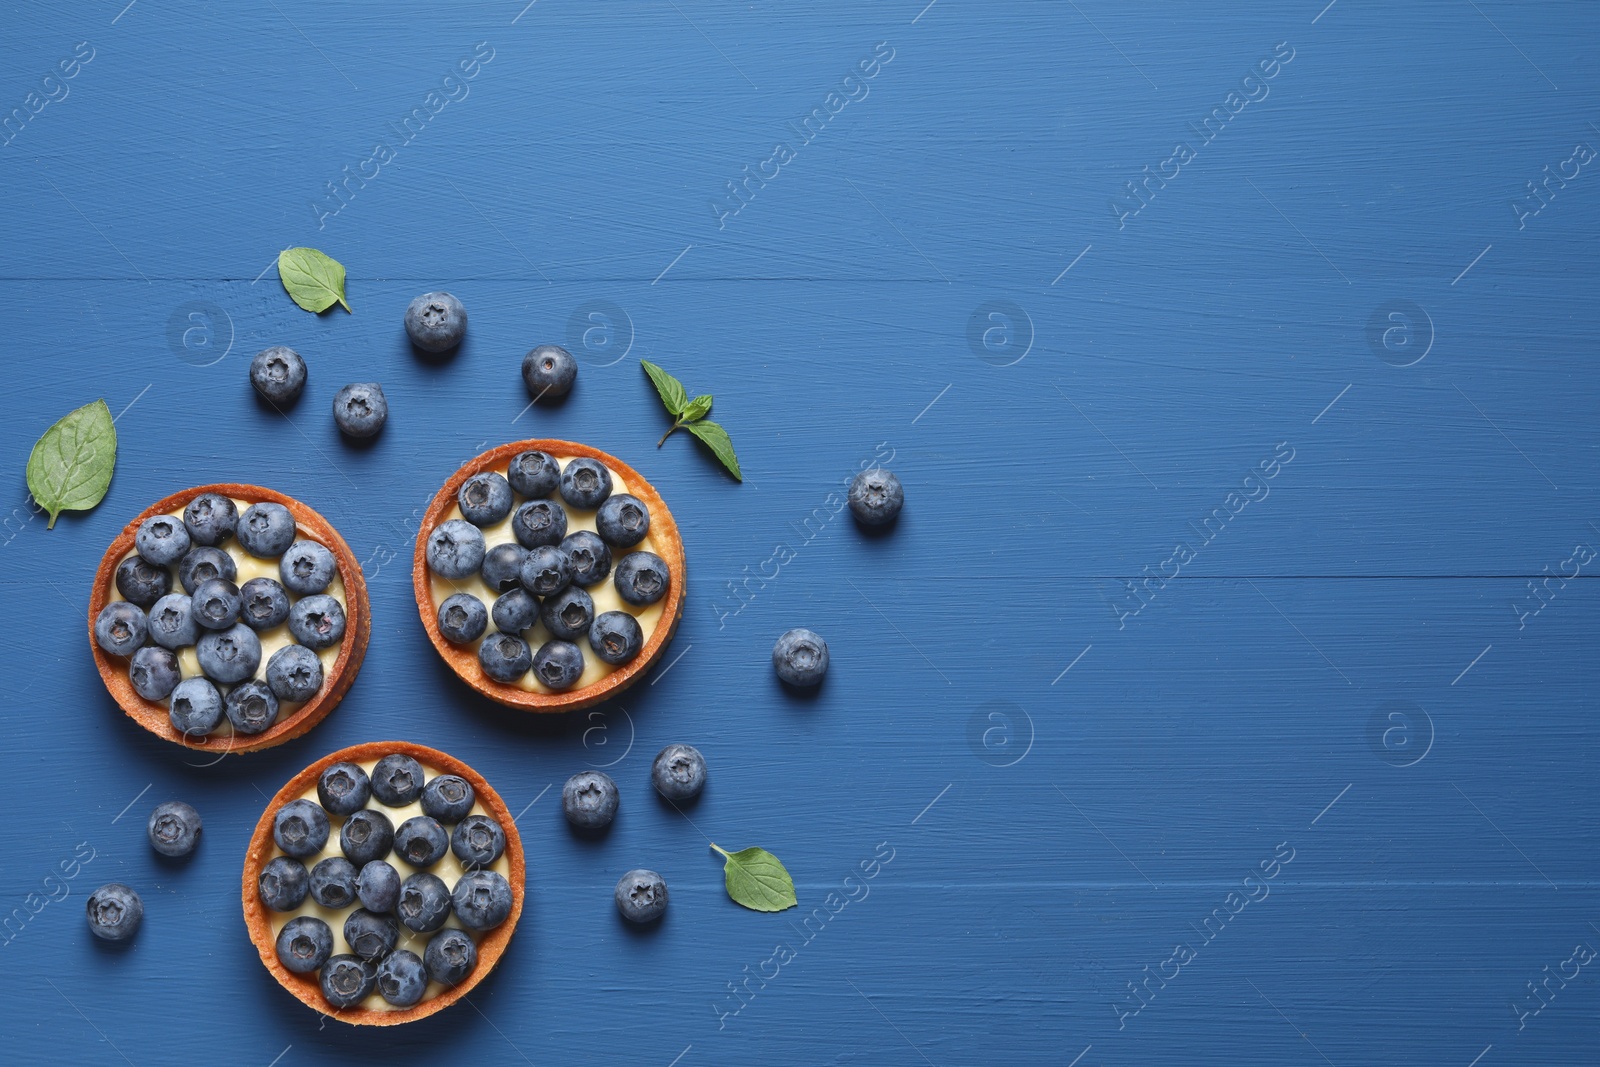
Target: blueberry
x,y
266,530
317,621
369,934
304,944
538,523
278,374
142,583
549,371
294,673
344,789
558,664
504,658
333,882
462,618
347,980
450,956
154,672
171,622
300,828
210,519
448,798
642,578
161,541
215,604
800,657
876,497
641,896
397,780
306,568
623,520
455,549
421,841
515,611
569,614
366,836
115,912
203,564
478,841
252,708
195,708
436,322
360,409
283,884
402,980
174,828
585,483
502,567
120,628
589,800
482,900
485,498
616,637
591,559
679,772
546,571
424,903
534,474
263,604
378,886
229,656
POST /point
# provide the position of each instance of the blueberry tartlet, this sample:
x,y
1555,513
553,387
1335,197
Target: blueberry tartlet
x,y
549,575
228,618
383,882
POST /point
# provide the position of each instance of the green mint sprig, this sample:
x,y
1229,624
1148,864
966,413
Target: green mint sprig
x,y
691,415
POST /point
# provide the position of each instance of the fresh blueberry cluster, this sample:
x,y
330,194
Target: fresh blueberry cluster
x,y
386,881
540,581
224,623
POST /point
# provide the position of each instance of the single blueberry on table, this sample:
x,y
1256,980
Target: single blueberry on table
x,y
278,374
120,628
333,882
263,604
641,896
154,672
300,828
174,828
515,611
591,559
502,567
421,841
252,708
623,520
549,371
317,621
642,578
546,571
538,523
215,604
195,708
294,673
876,497
366,836
482,900
424,903
485,498
402,979
142,583
266,530
436,322
448,798
679,772
210,519
229,656
477,841
569,614
283,884
558,664
800,658
616,637
114,912
397,780
534,473
585,483
347,980
171,622
203,564
504,657
462,618
344,789
306,568
360,409
450,956
589,800
455,549
371,935
378,886
304,944
162,540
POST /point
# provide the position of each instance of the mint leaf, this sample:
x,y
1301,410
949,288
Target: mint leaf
x,y
70,467
757,880
697,409
313,280
716,438
671,390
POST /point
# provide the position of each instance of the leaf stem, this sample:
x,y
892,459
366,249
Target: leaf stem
x,y
714,848
668,434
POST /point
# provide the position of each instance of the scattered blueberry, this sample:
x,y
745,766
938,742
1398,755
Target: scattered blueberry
x,y
679,772
171,622
210,518
589,800
591,559
304,944
306,568
378,886
366,836
215,604
120,628
538,523
462,618
515,611
229,656
278,374
558,664
283,883
142,583
317,621
485,498
623,520
450,956
344,789
300,828
455,549
154,672
478,841
333,882
546,571
642,578
294,673
448,798
115,912
436,322
800,657
504,657
616,637
161,541
549,371
369,934
876,497
402,980
568,614
195,708
174,828
502,566
266,530
482,900
421,841
424,903
347,980
641,896
360,409
534,474
585,483
203,564
263,604
397,780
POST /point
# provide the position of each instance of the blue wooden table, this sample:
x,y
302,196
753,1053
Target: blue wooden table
x,y
1226,693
